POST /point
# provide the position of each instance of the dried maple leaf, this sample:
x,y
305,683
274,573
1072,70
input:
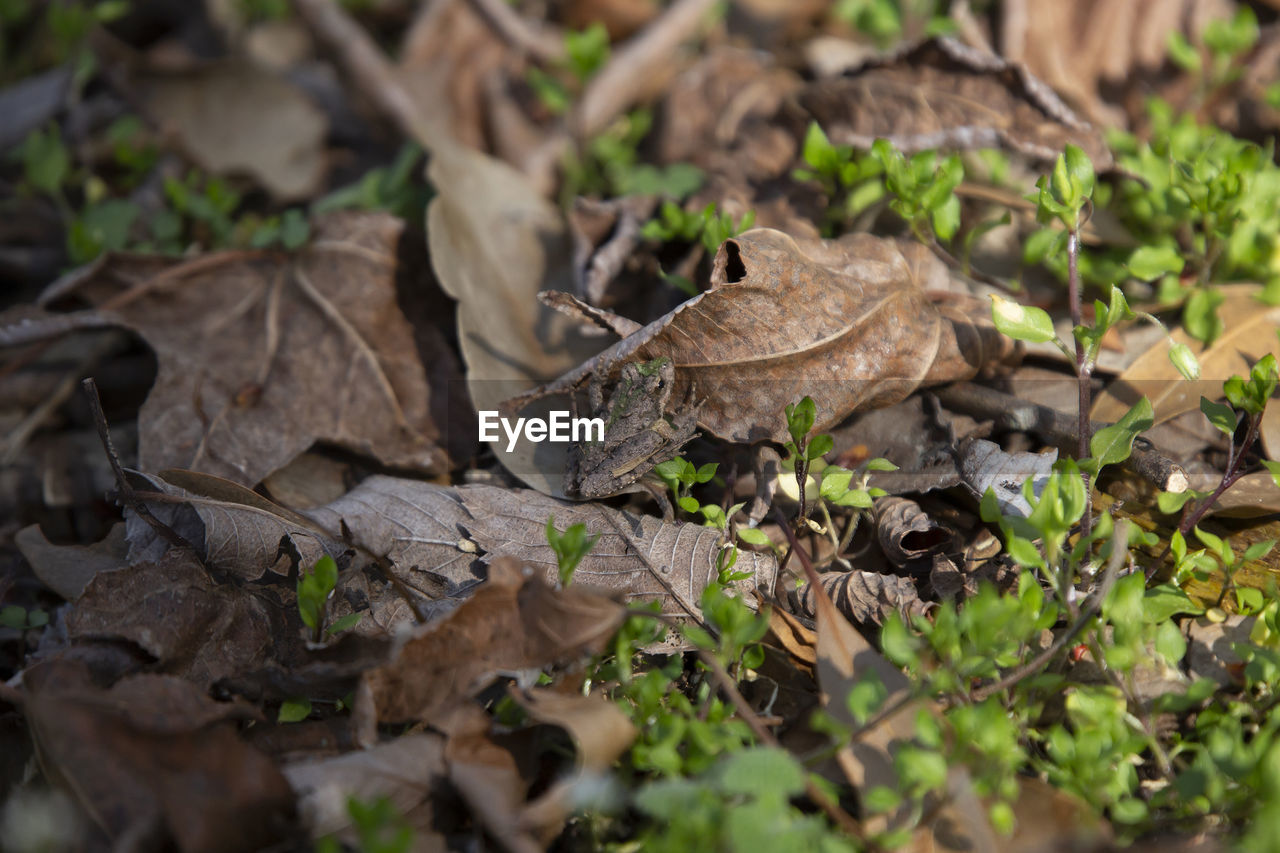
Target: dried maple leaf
x,y
262,355
942,94
847,323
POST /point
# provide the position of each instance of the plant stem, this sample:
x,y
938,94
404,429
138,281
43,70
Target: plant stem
x,y
1235,470
1083,371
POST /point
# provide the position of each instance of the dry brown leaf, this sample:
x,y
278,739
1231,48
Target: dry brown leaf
x,y
1249,334
407,771
488,778
261,357
174,612
847,324
67,569
600,731
942,94
512,622
236,117
142,757
495,243
235,531
416,524
905,531
798,639
866,598
1077,47
448,57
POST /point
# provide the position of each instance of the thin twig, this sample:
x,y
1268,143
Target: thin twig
x,y
123,488
537,40
635,65
369,69
1015,415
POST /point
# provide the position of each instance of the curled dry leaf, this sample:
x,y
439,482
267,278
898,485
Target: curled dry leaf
x,y
515,621
235,531
865,598
236,117
943,94
488,777
601,732
905,531
847,323
141,757
261,356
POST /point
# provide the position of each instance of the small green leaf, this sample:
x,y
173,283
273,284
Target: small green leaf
x,y
1170,643
689,504
295,230
1166,600
1200,315
946,218
835,482
1081,169
880,464
753,536
1274,469
859,498
1171,502
821,445
1215,544
1150,262
1024,552
800,419
13,616
1183,54
1222,416
1021,322
1112,445
346,623
1258,550
294,710
706,472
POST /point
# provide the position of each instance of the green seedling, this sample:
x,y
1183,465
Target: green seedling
x,y
314,590
851,182
21,619
708,226
569,547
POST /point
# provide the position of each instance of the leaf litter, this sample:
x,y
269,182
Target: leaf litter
x,y
306,409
